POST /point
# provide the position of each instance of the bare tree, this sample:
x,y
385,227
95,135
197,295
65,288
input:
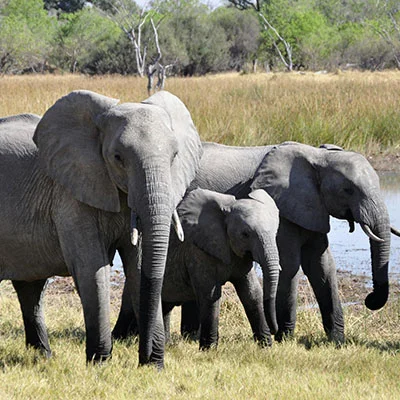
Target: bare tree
x,y
131,19
269,29
155,66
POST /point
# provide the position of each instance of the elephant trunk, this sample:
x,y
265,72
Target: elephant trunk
x,y
269,263
380,252
154,212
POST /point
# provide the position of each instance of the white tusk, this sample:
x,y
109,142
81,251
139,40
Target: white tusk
x,y
177,226
134,236
370,234
394,231
134,230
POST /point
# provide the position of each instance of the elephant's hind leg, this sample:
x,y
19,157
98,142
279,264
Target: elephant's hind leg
x,y
30,296
190,322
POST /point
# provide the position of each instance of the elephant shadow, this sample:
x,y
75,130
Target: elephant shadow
x,y
390,347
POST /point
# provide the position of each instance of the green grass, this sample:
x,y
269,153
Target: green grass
x,y
366,367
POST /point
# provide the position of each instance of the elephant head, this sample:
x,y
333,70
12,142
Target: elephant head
x,y
97,149
309,184
223,227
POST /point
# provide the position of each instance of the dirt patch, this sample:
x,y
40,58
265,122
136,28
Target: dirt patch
x,y
385,161
352,289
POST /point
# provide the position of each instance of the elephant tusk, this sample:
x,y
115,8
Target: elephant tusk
x,y
351,225
177,226
134,229
394,231
367,230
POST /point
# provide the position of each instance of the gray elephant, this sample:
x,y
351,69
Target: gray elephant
x,y
222,238
308,185
75,186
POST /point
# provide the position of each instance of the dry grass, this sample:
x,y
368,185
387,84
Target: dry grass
x,y
366,367
355,110
358,111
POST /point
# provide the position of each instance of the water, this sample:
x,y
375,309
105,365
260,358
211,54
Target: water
x,y
351,250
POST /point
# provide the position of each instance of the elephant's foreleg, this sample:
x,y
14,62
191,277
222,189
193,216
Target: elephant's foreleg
x,y
190,322
209,306
251,295
30,296
319,266
289,244
286,303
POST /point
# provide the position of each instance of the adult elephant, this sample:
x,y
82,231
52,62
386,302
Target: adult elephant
x,y
309,185
75,186
222,238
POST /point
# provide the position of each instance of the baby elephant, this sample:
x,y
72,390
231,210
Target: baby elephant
x,y
222,238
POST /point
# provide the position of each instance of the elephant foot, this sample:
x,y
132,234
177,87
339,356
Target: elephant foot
x,y
152,363
337,338
281,336
126,333
208,346
264,342
190,335
98,359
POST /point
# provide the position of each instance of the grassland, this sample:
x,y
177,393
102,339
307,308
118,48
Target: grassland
x,y
366,367
359,111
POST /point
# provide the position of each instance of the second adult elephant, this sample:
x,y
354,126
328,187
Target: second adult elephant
x,y
309,185
222,238
73,186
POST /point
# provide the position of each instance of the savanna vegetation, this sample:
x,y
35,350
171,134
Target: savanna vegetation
x,y
356,110
121,36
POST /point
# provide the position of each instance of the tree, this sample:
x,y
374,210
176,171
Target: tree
x,y
132,21
80,36
242,32
68,6
271,32
26,32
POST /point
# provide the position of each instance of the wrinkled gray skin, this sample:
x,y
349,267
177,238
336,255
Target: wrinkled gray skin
x,y
71,184
222,238
308,185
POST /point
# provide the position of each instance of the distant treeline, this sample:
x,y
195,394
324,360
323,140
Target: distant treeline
x,y
117,36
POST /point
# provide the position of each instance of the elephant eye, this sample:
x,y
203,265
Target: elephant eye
x,y
245,234
349,191
118,158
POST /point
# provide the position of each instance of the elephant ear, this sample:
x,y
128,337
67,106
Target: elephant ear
x,y
202,214
289,174
70,149
186,162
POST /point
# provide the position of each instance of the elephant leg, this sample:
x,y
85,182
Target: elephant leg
x,y
30,296
289,244
209,306
319,266
126,325
251,295
167,309
87,260
190,322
